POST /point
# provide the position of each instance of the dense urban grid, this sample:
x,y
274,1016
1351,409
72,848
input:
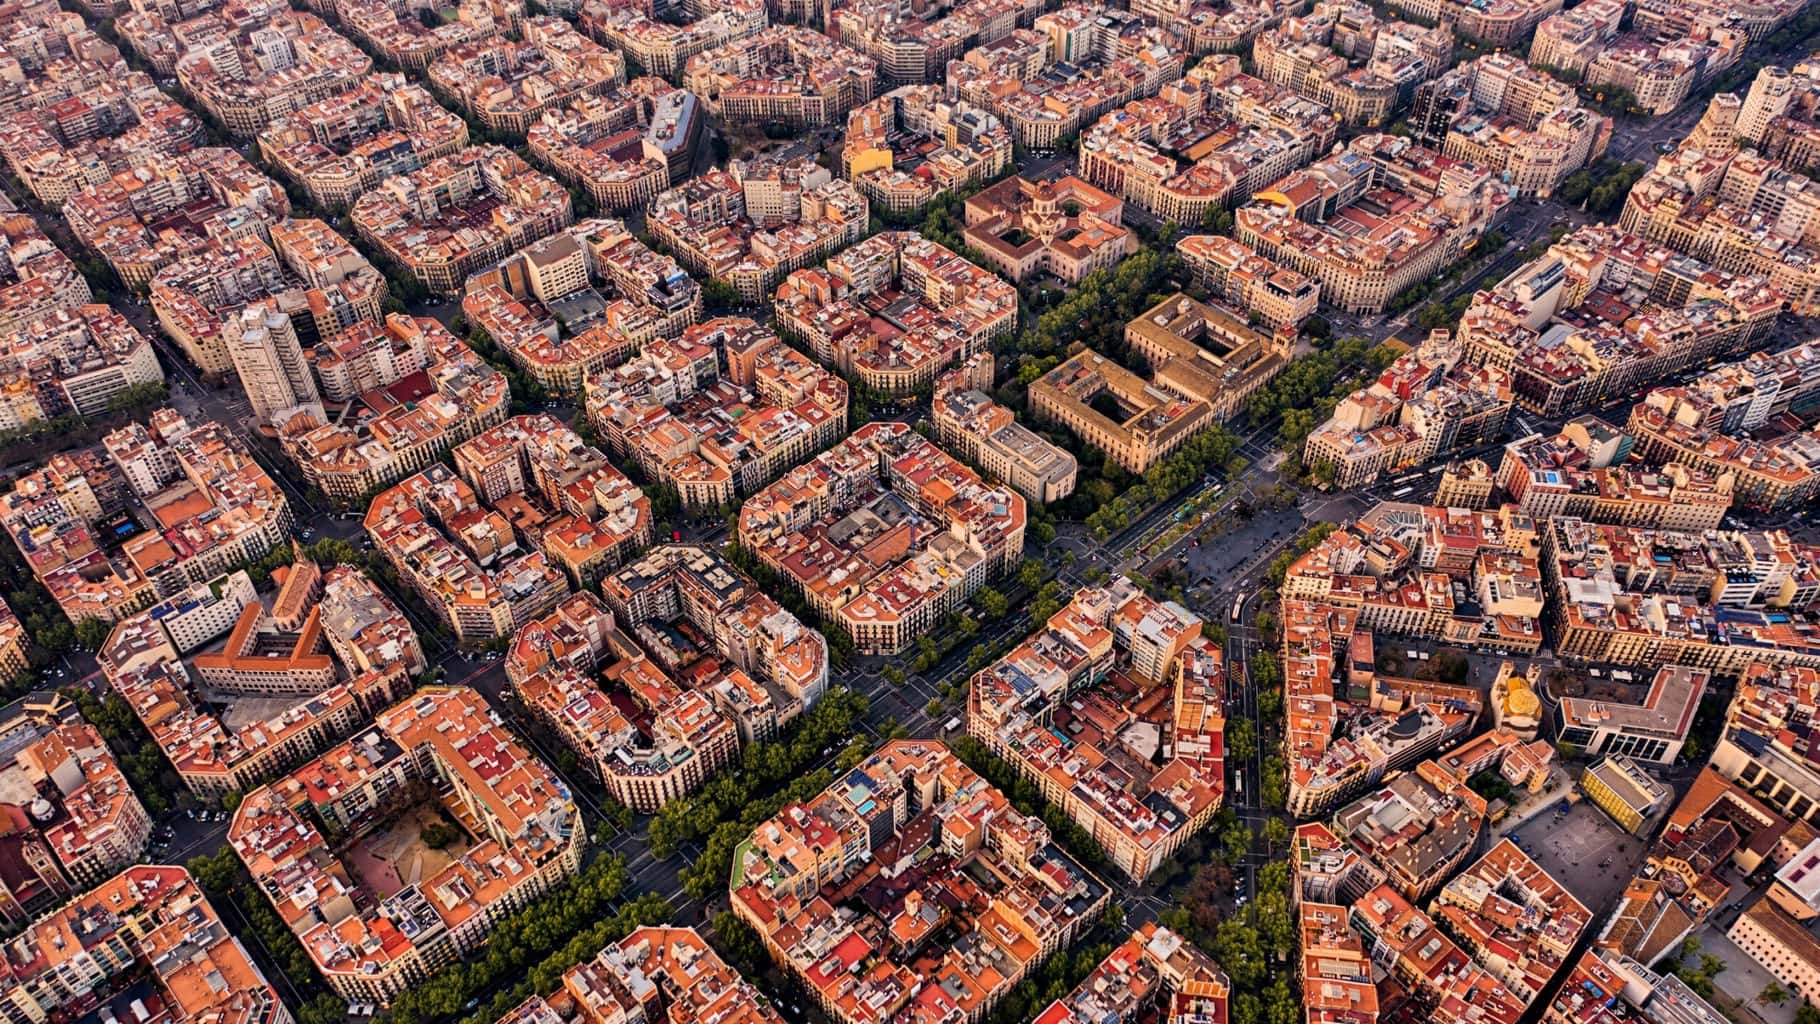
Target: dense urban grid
x,y
932,512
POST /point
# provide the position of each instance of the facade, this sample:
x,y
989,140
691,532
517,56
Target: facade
x,y
75,360
1590,470
269,362
251,72
1619,787
1209,141
1050,81
1715,426
580,301
663,48
1718,601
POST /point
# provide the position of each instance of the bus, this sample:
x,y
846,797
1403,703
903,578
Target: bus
x,y
1238,605
1399,492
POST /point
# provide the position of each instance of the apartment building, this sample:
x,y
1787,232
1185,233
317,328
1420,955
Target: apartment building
x,y
678,412
249,73
1717,425
150,922
895,310
404,39
1570,474
1413,950
1211,139
522,836
213,506
784,74
37,279
912,48
1513,918
1155,967
624,147
581,301
1502,115
507,84
910,801
128,219
269,363
417,390
1111,58
1350,61
1721,601
663,48
1310,220
487,573
661,974
74,820
1741,210
987,435
1567,347
75,360
1232,273
752,225
884,534
75,121
941,145
460,213
1056,708
697,705
342,145
1335,970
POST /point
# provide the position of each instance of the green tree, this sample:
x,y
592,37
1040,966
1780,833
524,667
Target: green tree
x,y
91,633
